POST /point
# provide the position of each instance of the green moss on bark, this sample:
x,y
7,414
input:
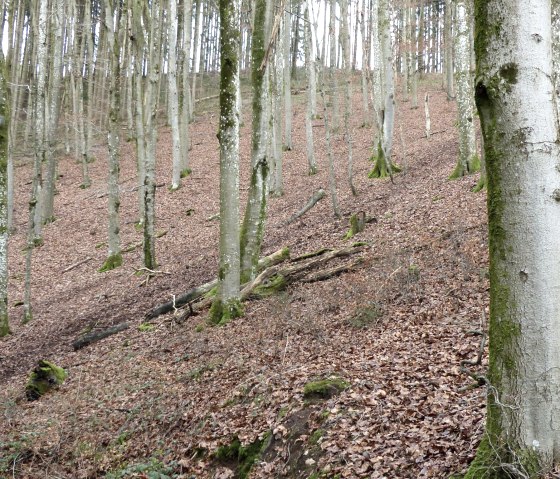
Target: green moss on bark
x,y
324,388
4,326
222,313
274,285
494,461
380,169
112,262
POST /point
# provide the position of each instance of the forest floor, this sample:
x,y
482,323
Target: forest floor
x,y
163,397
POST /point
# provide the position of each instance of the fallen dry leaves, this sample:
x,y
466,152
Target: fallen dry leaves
x,y
176,392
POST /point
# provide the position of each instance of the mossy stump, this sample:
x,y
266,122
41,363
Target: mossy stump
x,y
324,388
357,224
43,378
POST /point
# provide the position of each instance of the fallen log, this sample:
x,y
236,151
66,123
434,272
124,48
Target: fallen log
x,y
191,295
332,272
279,277
319,195
195,294
98,336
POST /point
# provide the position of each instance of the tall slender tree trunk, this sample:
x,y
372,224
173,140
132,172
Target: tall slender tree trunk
x,y
252,231
383,165
55,86
448,44
468,161
311,91
150,135
33,232
4,141
112,21
345,36
287,81
186,113
174,94
513,45
227,304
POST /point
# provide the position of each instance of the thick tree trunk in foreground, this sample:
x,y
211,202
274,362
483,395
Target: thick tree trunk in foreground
x,y
515,98
227,304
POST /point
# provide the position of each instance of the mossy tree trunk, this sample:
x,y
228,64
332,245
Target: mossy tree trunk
x,y
255,213
112,21
34,228
4,129
516,102
53,101
227,304
468,161
383,164
150,134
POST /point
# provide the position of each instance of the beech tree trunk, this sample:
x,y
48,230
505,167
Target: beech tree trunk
x,y
383,164
227,304
4,131
468,161
112,20
311,91
174,94
516,102
252,231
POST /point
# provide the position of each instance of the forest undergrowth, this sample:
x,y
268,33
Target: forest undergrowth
x,y
356,376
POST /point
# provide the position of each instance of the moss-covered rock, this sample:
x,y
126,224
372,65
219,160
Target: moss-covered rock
x,y
242,458
43,378
324,388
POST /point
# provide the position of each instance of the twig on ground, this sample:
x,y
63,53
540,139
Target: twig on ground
x,y
79,263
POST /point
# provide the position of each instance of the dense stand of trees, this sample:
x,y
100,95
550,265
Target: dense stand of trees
x,y
73,68
78,68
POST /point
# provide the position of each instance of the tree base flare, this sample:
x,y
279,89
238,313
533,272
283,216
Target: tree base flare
x,y
481,185
4,326
222,313
112,262
494,462
472,166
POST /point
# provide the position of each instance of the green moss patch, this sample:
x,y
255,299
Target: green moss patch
x,y
324,388
241,458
